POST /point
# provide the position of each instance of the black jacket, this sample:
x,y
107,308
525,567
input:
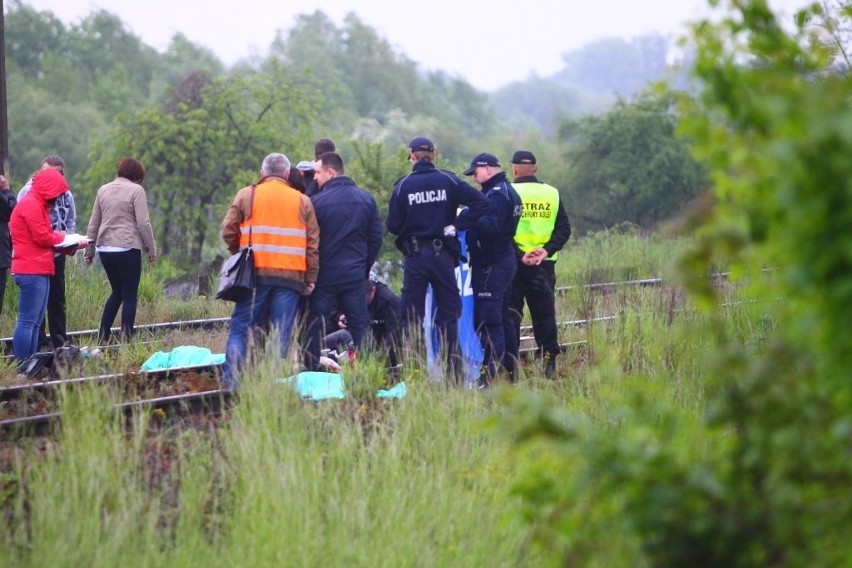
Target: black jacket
x,y
7,203
385,315
350,231
385,320
427,200
492,237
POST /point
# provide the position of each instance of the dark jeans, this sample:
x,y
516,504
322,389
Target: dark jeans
x,y
123,270
536,285
351,298
425,268
491,306
337,338
56,321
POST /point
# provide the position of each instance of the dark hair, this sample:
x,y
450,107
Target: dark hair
x,y
331,160
54,161
132,169
420,155
322,146
295,180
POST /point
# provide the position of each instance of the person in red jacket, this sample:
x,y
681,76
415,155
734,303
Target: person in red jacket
x,y
32,258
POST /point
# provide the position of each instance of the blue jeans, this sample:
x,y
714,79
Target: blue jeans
x,y
351,299
31,306
280,304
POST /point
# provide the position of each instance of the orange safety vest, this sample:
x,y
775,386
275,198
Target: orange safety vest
x,y
279,236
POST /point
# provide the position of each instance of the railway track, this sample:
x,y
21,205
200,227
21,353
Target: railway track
x,y
153,329
214,401
175,407
202,379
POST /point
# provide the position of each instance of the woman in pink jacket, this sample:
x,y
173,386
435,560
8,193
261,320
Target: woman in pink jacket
x,y
32,258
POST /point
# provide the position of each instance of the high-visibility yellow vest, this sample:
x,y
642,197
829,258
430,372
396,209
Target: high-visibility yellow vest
x,y
279,236
540,204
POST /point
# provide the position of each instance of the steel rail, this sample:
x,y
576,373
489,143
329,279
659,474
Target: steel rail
x,y
209,323
14,392
212,403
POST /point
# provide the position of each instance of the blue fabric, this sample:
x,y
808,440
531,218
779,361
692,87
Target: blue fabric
x,y
280,304
398,391
183,356
468,340
32,303
315,385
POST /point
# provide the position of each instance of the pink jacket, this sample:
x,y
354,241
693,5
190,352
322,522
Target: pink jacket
x,y
32,236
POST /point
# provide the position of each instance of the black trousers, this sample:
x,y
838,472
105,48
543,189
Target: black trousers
x,y
427,267
492,317
56,320
536,285
123,270
4,275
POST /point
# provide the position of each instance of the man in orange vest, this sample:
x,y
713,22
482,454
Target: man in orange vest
x,y
282,227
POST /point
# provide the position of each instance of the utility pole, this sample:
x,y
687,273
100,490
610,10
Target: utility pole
x,y
4,123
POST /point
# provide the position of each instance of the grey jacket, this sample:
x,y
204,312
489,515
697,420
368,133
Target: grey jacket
x,y
120,219
63,212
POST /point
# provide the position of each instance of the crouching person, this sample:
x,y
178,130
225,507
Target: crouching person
x,y
282,227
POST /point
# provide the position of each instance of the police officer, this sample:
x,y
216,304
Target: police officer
x,y
422,214
542,232
491,244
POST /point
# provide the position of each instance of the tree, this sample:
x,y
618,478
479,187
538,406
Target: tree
x,y
204,145
616,66
628,165
361,73
772,485
544,103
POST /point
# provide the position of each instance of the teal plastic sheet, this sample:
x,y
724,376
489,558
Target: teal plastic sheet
x,y
183,356
315,385
398,391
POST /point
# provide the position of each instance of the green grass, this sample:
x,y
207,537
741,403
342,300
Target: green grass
x,y
430,480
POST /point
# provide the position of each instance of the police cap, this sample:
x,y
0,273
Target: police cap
x,y
483,159
523,157
421,144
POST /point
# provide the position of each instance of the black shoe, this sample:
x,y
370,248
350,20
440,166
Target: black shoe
x,y
549,367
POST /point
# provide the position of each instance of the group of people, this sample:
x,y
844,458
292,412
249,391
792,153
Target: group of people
x,y
315,236
322,246
33,229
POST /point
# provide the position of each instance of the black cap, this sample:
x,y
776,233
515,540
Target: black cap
x,y
483,159
421,144
523,157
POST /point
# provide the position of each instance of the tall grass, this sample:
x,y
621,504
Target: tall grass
x,y
422,481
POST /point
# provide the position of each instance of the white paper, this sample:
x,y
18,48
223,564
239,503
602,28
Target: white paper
x,y
71,240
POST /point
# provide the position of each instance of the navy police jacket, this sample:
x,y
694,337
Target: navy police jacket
x,y
491,238
350,231
426,200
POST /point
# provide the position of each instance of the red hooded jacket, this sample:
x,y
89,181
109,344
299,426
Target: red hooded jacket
x,y
32,236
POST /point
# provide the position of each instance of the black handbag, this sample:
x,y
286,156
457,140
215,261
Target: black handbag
x,y
236,279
